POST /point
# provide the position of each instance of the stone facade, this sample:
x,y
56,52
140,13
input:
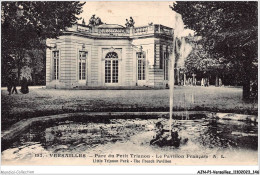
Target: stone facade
x,y
109,56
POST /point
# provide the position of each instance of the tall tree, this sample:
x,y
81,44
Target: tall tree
x,y
204,64
228,30
25,24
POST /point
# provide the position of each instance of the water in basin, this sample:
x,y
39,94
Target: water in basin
x,y
232,142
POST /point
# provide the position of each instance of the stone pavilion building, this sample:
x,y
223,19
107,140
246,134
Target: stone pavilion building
x,y
109,56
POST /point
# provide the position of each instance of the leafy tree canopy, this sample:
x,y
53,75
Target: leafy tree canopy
x,y
226,27
24,23
229,33
27,24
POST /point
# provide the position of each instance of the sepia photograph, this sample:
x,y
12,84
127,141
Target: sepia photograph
x,y
108,83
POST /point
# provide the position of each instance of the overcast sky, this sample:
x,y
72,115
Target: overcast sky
x,y
142,12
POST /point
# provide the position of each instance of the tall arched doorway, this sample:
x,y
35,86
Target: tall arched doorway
x,y
111,68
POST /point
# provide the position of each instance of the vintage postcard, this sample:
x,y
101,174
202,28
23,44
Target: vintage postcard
x,y
129,83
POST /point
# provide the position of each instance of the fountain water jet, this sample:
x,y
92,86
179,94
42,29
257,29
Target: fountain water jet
x,y
179,52
178,31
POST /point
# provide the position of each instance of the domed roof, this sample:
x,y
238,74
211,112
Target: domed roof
x,y
110,26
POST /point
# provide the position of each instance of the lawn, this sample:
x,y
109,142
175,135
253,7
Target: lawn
x,y
41,101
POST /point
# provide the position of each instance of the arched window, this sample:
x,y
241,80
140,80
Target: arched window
x,y
111,67
111,55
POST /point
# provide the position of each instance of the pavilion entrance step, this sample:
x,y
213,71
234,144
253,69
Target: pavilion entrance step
x,y
113,88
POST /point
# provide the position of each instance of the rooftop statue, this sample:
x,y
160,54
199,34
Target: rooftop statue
x,y
127,24
95,21
83,22
130,23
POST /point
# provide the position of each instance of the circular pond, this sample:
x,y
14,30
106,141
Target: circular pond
x,y
84,141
